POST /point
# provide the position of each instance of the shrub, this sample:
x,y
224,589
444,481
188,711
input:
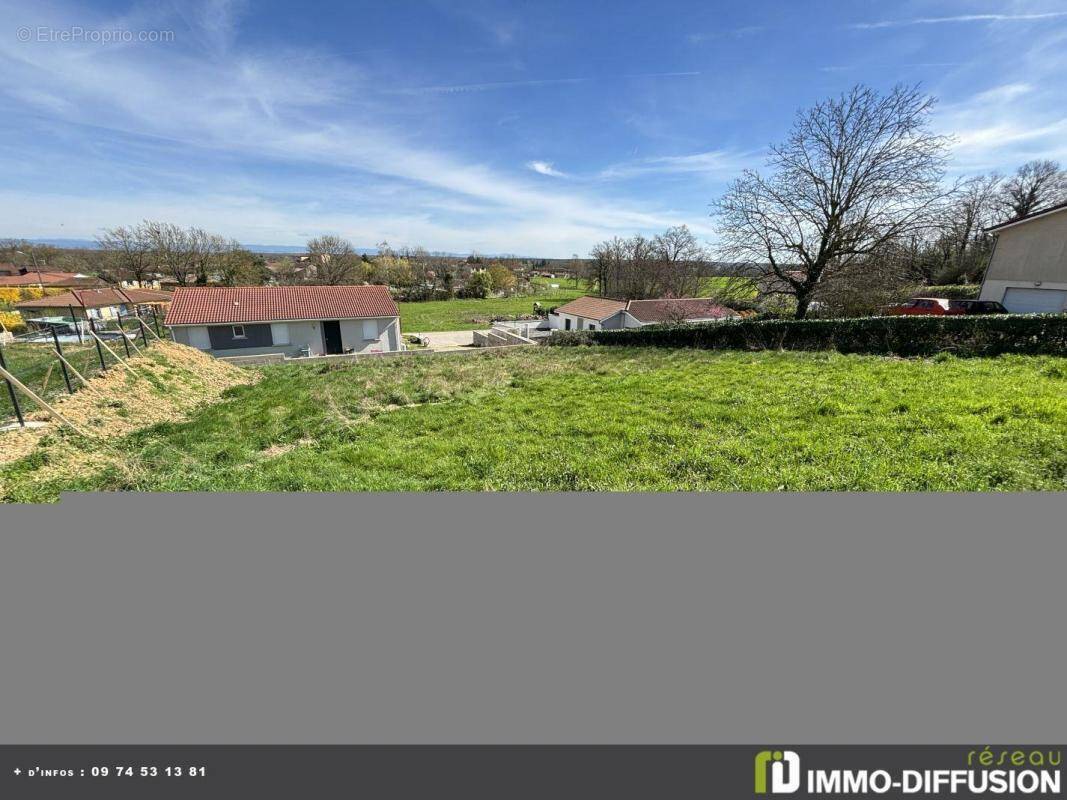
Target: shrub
x,y
955,291
13,321
901,336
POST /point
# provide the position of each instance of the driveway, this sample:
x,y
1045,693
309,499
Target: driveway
x,y
447,340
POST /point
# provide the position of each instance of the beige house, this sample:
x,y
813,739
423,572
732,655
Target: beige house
x,y
1028,270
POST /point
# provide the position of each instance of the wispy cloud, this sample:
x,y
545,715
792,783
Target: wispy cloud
x,y
899,23
240,105
545,168
715,163
461,88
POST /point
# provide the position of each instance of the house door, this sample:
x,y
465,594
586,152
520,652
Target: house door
x,y
331,337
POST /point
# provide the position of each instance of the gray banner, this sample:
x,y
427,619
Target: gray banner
x,y
533,618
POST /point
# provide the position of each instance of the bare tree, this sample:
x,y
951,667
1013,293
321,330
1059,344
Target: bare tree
x,y
128,250
857,172
174,249
334,260
1034,185
668,265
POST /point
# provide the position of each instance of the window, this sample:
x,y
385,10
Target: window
x,y
238,331
592,327
279,333
370,329
567,324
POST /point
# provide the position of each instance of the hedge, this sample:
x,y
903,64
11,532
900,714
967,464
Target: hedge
x,y
952,291
902,336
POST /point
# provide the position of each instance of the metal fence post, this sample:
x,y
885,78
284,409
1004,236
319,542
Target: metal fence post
x,y
62,363
99,349
77,327
11,391
144,333
122,331
155,323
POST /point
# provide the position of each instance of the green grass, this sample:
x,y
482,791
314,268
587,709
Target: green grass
x,y
465,315
612,419
36,365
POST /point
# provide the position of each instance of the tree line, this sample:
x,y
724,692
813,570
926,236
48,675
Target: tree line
x,y
853,203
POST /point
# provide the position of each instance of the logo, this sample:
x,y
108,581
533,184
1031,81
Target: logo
x,y
785,771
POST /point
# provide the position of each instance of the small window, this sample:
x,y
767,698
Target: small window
x,y
592,327
239,332
370,329
566,324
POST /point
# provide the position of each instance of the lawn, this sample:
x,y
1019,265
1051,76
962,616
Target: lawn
x,y
609,419
463,315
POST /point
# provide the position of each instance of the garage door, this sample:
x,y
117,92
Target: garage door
x,y
1035,301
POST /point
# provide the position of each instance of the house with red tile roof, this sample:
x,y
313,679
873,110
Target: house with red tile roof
x,y
601,313
106,303
292,320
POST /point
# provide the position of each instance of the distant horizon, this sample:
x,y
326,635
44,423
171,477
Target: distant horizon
x,y
495,127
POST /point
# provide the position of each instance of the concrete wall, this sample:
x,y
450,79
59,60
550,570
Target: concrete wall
x,y
1032,251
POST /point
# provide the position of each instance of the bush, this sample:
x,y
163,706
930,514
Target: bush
x,y
13,321
901,336
955,291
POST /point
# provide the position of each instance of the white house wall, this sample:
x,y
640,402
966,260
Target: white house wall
x,y
302,335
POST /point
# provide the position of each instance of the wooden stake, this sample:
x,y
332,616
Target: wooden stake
x,y
80,377
33,395
118,358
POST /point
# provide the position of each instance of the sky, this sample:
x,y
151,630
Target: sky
x,y
528,128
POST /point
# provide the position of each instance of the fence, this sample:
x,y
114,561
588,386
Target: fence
x,y
63,353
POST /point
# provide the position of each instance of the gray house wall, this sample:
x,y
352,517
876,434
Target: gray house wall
x,y
260,340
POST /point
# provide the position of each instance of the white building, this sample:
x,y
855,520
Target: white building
x,y
600,313
1028,270
291,320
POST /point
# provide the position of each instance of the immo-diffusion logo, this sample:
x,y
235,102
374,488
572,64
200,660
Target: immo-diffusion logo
x,y
784,769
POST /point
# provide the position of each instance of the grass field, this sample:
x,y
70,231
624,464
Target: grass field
x,y
35,364
462,315
611,419
465,315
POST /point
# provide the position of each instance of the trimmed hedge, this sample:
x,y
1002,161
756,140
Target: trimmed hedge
x,y
901,336
952,291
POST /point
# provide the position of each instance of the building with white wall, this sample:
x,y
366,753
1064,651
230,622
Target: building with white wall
x,y
292,320
1028,270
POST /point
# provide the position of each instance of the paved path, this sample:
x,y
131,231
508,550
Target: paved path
x,y
447,340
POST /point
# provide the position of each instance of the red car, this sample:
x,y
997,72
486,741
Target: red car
x,y
941,306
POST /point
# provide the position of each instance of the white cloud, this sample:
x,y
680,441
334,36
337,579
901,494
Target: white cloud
x,y
261,105
713,163
545,168
898,23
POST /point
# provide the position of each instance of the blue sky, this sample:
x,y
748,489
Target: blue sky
x,y
535,128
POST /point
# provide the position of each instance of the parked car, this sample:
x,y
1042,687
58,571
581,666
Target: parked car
x,y
942,306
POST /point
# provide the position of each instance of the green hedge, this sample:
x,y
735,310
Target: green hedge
x,y
901,336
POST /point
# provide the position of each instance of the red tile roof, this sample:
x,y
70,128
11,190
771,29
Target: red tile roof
x,y
683,308
212,305
97,298
49,278
659,310
597,308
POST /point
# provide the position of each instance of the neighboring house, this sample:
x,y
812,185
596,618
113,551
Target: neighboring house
x,y
100,304
293,320
24,278
600,313
1028,270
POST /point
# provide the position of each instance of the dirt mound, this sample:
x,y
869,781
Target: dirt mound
x,y
166,384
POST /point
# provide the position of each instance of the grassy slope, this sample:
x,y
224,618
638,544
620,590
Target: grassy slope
x,y
617,419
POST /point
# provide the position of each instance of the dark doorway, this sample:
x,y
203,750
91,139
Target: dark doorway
x,y
331,336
